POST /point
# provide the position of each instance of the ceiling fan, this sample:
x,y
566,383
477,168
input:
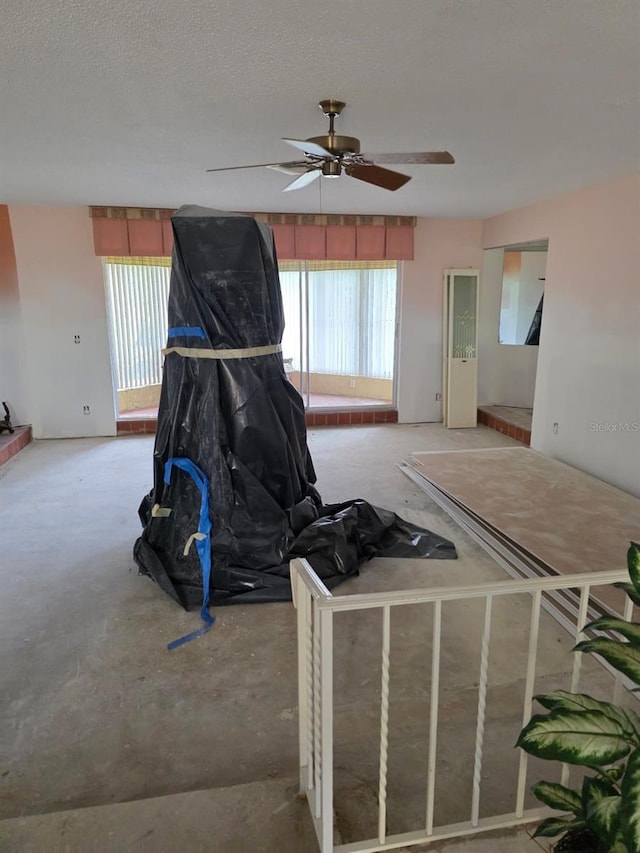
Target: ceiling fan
x,y
331,155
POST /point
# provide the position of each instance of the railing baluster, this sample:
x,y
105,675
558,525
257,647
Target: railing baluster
x,y
317,687
308,644
326,730
528,694
301,597
577,660
433,715
580,623
384,725
482,706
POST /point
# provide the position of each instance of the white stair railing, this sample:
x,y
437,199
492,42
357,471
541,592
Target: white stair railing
x,y
316,607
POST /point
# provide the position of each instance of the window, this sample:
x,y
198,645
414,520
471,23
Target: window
x,y
338,343
137,291
339,339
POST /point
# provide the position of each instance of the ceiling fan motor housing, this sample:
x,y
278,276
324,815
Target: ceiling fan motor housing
x,y
337,144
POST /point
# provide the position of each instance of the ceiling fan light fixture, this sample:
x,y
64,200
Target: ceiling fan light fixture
x,y
331,169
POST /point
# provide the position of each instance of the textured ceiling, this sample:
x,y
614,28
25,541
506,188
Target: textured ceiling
x,y
127,102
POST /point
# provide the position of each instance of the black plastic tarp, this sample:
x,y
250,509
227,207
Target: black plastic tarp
x,y
231,462
533,335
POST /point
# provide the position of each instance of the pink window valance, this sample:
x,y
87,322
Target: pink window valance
x,y
140,232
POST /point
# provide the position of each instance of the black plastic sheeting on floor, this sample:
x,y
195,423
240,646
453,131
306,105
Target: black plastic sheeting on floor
x,y
233,498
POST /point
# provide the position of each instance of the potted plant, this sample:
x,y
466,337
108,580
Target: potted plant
x,y
600,736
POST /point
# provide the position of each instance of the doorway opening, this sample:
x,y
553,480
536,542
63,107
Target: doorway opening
x,y
513,302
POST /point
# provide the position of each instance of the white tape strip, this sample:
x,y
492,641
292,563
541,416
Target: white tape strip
x,y
195,352
160,511
198,536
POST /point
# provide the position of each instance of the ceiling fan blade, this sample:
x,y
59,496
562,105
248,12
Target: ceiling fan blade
x,y
303,180
253,166
384,178
308,147
295,167
435,157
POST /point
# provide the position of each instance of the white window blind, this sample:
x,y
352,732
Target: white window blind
x,y
344,314
351,310
137,291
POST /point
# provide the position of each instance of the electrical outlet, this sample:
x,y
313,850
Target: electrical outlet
x,y
555,427
438,397
352,383
86,410
76,339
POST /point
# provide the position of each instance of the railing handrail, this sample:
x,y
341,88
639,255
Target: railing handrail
x,y
311,580
362,601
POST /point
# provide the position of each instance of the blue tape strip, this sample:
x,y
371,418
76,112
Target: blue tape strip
x,y
203,545
186,332
188,637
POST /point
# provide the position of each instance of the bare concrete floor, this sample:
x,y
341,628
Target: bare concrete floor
x,y
95,711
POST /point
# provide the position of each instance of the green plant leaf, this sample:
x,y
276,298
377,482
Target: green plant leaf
x,y
565,701
633,564
629,630
596,789
623,656
614,774
618,847
630,589
587,737
630,802
603,818
601,803
558,797
553,826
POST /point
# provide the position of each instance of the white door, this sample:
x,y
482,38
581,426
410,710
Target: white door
x,y
460,352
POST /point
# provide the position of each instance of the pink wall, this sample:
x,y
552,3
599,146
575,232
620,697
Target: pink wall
x,y
62,295
12,380
512,264
439,244
589,361
588,379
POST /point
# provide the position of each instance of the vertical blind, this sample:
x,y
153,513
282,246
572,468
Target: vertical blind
x,y
137,294
351,311
343,313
